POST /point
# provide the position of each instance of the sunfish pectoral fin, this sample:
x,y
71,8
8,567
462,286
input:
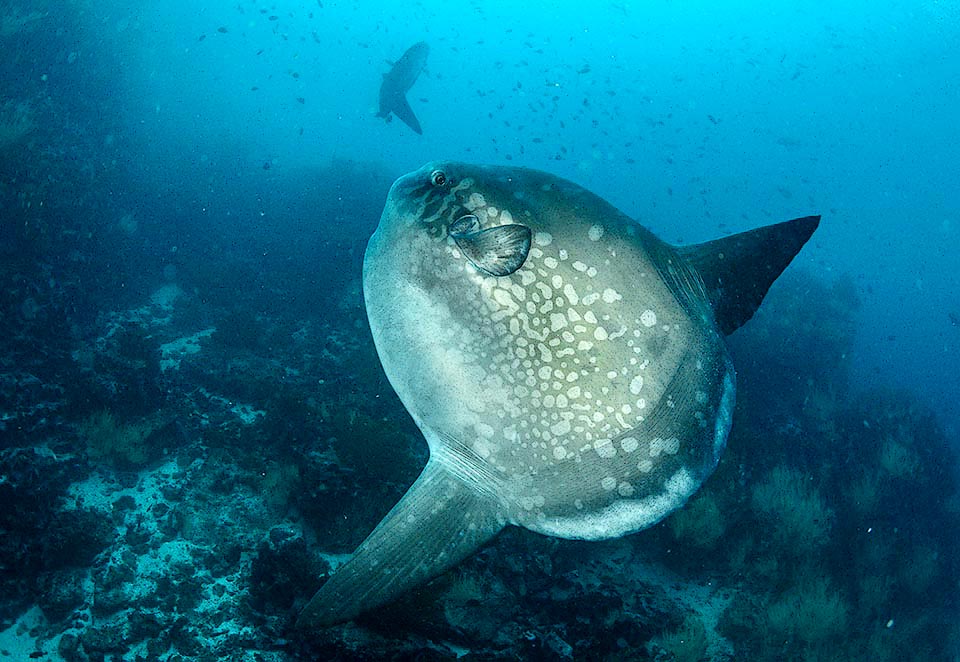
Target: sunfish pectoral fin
x,y
738,270
402,109
498,251
439,521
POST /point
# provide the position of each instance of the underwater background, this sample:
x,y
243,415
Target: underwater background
x,y
194,425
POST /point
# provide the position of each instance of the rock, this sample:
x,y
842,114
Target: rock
x,y
560,647
74,538
110,586
283,572
185,639
126,502
69,648
109,601
101,639
144,625
224,559
63,593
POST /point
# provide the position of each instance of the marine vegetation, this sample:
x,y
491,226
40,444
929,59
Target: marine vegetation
x,y
793,509
687,643
196,431
123,444
812,510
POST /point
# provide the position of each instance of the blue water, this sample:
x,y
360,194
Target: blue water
x,y
232,149
696,118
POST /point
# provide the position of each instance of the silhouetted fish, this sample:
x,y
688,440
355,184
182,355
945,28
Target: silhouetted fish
x,y
398,81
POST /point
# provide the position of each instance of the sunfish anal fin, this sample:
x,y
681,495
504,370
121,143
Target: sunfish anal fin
x,y
439,521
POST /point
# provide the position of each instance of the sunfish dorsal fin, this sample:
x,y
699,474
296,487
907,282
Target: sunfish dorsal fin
x,y
439,521
738,270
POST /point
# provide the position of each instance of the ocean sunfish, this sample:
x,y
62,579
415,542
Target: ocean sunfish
x,y
398,81
567,368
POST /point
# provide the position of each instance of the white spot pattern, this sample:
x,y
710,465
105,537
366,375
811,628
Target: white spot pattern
x,y
550,326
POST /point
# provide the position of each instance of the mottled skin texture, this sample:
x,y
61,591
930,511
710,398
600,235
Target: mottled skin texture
x,y
583,382
585,391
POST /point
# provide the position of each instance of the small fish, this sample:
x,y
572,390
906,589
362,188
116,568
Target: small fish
x,y
954,318
222,30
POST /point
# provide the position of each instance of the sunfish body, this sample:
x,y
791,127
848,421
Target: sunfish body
x,y
567,368
398,81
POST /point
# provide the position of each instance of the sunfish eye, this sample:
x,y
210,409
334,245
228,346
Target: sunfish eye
x,y
438,178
